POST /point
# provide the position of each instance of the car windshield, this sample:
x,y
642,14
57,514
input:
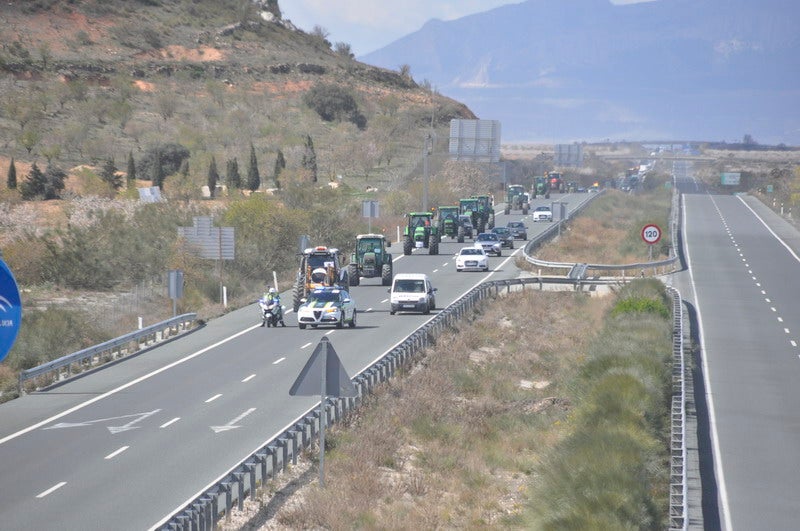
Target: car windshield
x,y
320,260
543,209
501,230
473,250
487,237
409,286
515,225
324,296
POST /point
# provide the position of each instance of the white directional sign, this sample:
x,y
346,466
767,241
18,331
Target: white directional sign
x,y
651,233
137,418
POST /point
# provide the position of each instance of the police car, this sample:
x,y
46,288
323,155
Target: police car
x,y
327,306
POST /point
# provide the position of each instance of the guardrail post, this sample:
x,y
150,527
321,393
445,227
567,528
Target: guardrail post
x,y
240,483
228,500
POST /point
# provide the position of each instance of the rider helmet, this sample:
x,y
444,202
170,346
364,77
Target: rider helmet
x,y
272,291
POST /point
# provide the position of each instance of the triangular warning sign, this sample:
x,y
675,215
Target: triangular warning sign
x,y
325,364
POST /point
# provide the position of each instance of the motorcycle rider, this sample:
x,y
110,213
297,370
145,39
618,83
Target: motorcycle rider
x,y
272,297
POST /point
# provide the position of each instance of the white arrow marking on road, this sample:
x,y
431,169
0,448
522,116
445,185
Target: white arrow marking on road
x,y
113,429
230,425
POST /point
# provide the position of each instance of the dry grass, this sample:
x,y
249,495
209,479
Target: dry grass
x,y
453,443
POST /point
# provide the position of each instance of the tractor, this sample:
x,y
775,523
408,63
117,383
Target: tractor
x,y
319,267
448,223
370,260
555,180
541,188
420,232
469,207
516,199
485,211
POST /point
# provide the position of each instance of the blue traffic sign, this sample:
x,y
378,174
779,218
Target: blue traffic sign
x,y
10,310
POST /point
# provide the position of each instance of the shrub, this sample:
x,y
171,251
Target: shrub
x,y
170,156
334,103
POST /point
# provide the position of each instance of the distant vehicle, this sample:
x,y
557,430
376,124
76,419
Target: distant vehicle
x,y
506,238
518,229
472,259
411,292
465,224
542,213
490,243
327,306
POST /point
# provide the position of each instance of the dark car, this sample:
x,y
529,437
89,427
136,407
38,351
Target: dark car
x,y
506,238
518,229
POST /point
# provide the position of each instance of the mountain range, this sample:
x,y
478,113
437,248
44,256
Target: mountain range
x,y
589,70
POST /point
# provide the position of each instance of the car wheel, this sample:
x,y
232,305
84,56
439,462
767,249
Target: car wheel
x,y
391,312
314,325
352,323
302,326
340,324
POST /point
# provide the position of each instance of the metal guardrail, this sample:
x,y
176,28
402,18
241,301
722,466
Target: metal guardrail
x,y
678,486
66,366
208,507
575,268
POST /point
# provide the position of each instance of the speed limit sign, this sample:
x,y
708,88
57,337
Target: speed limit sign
x,y
651,233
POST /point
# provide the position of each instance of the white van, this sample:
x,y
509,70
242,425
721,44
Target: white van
x,y
411,292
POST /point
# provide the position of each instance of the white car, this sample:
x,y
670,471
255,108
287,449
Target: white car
x,y
327,306
412,292
542,213
472,259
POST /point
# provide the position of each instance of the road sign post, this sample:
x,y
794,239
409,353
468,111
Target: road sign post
x,y
10,310
651,234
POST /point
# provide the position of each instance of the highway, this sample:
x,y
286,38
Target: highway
x,y
125,446
742,281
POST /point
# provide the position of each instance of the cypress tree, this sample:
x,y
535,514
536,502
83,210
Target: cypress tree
x,y
280,165
234,180
131,176
158,171
253,178
213,177
310,159
12,175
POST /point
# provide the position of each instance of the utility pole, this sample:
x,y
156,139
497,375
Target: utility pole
x,y
426,153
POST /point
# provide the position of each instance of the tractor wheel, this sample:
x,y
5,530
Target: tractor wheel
x,y
297,294
525,209
386,275
460,235
507,211
352,274
434,248
407,245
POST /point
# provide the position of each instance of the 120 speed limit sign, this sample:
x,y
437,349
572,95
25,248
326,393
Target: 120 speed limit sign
x,y
651,234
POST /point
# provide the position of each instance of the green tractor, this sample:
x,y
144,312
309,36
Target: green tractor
x,y
449,224
516,199
541,188
420,232
370,260
486,212
469,207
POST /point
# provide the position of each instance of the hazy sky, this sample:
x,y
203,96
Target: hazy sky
x,y
367,25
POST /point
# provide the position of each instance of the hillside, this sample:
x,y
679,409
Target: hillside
x,y
91,80
566,70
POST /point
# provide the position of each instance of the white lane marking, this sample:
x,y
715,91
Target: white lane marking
x,y
213,398
718,468
767,300
763,292
793,342
773,308
306,345
249,378
137,417
127,385
173,421
329,332
112,455
368,310
786,330
780,319
231,425
277,361
435,271
385,300
51,489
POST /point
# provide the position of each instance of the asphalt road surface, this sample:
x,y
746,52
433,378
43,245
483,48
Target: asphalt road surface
x,y
127,445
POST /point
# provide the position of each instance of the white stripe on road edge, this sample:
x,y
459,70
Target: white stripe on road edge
x,y
173,421
213,398
249,378
112,455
